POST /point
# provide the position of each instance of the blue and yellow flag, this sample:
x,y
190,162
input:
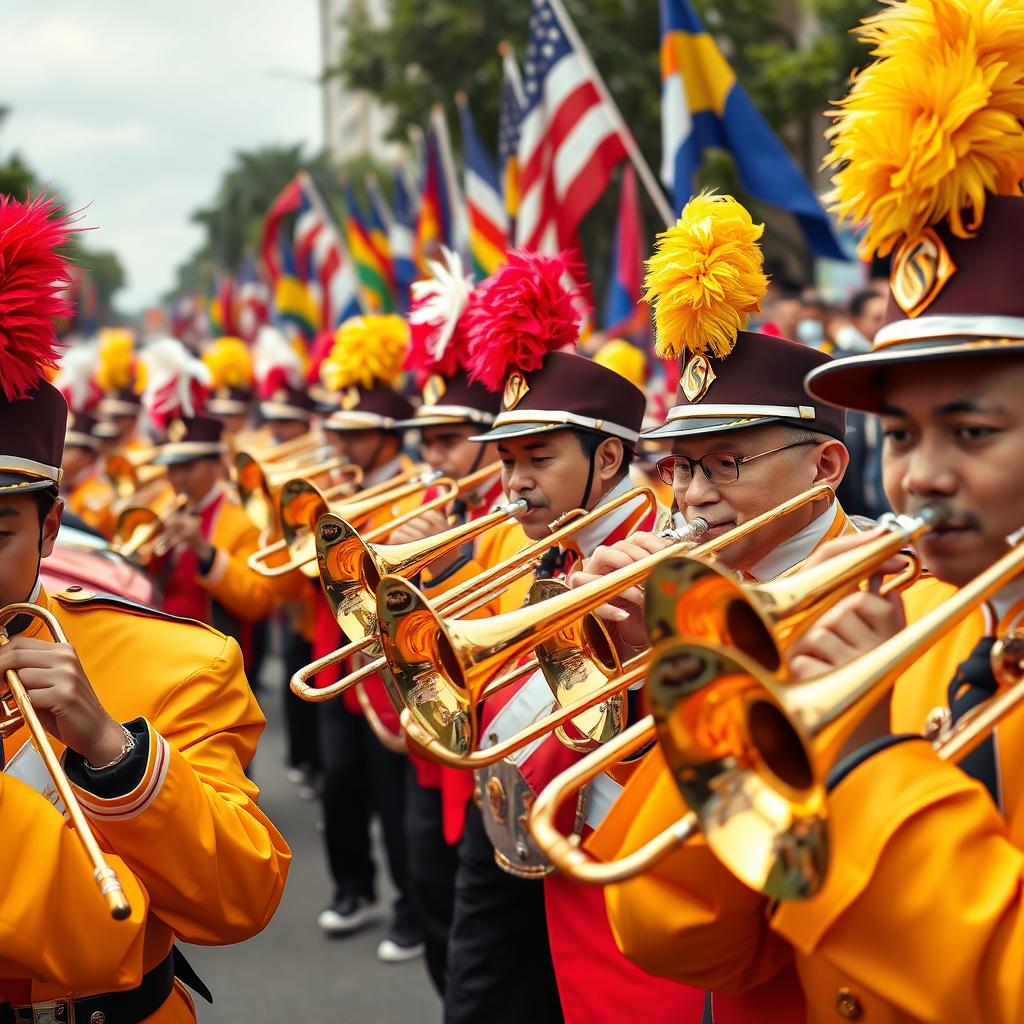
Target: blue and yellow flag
x,y
704,106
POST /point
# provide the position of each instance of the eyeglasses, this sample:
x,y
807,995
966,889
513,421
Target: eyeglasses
x,y
717,467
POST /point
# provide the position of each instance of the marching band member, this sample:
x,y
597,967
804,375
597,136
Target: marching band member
x,y
208,540
285,405
744,439
153,714
117,375
231,383
565,435
919,916
453,409
361,777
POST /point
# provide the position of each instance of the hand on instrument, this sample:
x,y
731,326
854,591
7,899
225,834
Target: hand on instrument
x,y
625,613
428,524
184,528
63,697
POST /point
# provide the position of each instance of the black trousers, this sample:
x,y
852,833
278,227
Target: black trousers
x,y
362,779
300,716
432,866
499,960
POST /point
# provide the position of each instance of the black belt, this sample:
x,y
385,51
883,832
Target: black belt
x,y
129,1007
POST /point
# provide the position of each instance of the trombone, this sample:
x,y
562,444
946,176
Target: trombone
x,y
301,504
441,669
16,710
139,530
460,600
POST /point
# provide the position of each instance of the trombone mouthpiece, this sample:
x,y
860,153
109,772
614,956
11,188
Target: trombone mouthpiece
x,y
1015,538
514,508
686,531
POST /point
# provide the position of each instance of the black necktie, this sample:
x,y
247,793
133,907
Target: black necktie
x,y
974,683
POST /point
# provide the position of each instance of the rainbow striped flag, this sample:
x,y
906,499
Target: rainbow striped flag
x,y
434,219
376,275
488,221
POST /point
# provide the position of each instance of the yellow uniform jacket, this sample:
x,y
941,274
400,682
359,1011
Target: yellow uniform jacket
x,y
921,917
93,501
197,858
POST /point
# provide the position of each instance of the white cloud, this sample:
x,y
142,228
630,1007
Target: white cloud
x,y
136,109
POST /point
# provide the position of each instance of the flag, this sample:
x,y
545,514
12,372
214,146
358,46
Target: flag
x,y
294,303
703,105
375,279
286,202
488,222
402,237
330,273
625,312
434,218
571,137
253,303
510,119
379,226
223,306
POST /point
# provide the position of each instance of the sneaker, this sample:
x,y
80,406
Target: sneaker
x,y
296,776
398,947
346,915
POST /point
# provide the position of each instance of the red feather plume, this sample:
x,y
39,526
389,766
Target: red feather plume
x,y
32,277
520,313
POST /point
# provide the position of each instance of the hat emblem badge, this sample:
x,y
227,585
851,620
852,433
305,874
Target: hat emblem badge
x,y
433,390
349,399
176,431
698,376
515,390
920,269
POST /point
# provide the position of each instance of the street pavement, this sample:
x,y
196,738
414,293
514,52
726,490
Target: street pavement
x,y
291,972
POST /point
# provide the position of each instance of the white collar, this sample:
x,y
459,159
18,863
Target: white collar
x,y
793,551
377,476
592,536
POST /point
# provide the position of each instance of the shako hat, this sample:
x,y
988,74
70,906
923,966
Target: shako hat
x,y
950,212
230,364
705,279
523,327
177,387
33,276
76,381
364,367
439,348
280,375
117,372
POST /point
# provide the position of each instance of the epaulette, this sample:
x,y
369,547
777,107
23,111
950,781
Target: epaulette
x,y
76,596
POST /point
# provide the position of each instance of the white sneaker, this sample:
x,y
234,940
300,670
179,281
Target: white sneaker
x,y
390,952
295,776
346,915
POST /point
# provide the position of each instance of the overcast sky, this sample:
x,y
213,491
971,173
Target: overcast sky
x,y
137,107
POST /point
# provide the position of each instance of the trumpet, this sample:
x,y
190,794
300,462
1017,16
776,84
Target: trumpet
x,y
138,530
129,472
441,669
716,708
460,600
16,710
258,482
301,504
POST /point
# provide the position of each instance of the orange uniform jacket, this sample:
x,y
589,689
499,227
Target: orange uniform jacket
x,y
93,500
921,917
197,858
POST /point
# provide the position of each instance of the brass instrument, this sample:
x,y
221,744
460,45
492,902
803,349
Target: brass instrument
x,y
16,710
130,471
301,505
717,709
301,445
259,481
460,600
705,602
441,668
139,530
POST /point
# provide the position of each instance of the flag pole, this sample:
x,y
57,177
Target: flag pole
x,y
460,219
636,158
318,204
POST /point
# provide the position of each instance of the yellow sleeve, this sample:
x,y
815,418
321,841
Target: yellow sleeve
x,y
54,924
213,864
232,583
923,903
688,918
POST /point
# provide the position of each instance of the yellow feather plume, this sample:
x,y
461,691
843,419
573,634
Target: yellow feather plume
x,y
229,363
933,126
706,277
367,350
115,364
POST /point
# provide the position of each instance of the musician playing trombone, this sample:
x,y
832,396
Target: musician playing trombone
x,y
918,914
153,716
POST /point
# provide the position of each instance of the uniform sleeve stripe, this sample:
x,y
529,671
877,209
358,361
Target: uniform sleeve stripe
x,y
134,803
217,570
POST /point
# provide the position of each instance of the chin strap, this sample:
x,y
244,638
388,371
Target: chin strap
x,y
585,503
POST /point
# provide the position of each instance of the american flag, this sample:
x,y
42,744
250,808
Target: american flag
x,y
570,140
510,120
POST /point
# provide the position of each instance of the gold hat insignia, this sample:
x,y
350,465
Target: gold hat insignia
x,y
433,389
515,390
697,378
176,431
920,269
349,399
